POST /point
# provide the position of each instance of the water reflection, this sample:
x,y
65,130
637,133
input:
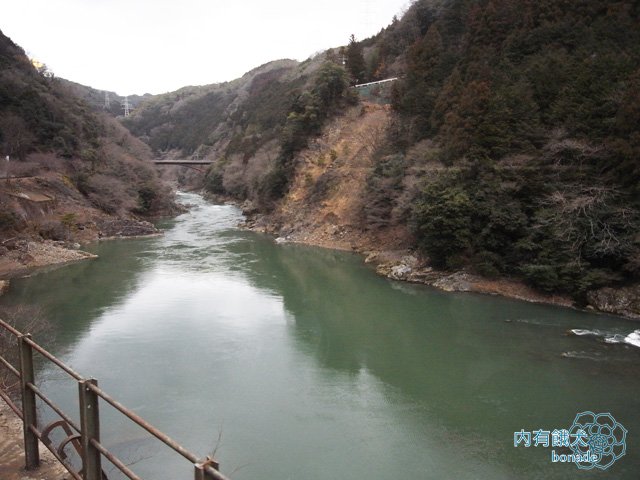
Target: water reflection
x,y
307,361
74,295
477,364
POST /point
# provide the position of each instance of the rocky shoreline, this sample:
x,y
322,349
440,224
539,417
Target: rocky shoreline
x,y
21,256
624,301
411,269
404,265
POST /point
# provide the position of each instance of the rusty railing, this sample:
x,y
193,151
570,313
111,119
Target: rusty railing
x,y
84,438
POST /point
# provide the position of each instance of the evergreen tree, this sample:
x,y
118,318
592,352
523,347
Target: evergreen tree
x,y
355,63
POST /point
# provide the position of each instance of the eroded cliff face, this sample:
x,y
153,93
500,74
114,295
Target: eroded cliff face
x,y
325,204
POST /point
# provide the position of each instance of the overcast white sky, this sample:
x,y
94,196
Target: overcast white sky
x,y
155,46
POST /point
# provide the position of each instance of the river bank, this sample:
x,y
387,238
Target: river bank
x,y
20,257
389,255
310,344
326,206
46,219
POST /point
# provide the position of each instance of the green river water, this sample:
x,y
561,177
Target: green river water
x,y
301,363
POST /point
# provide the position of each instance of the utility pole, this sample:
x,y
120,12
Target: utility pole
x,y
107,101
126,107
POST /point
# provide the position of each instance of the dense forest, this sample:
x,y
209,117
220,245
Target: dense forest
x,y
521,120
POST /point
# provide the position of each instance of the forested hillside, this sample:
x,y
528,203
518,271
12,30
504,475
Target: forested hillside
x,y
512,148
521,119
251,127
111,103
57,143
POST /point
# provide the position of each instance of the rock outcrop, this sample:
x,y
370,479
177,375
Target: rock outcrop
x,y
619,301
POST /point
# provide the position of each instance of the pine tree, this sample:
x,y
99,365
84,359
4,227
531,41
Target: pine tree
x,y
355,62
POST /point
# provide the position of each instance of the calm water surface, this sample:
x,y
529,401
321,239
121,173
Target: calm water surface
x,y
300,363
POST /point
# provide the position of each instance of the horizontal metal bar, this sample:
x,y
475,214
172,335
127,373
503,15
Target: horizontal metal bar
x,y
53,406
12,405
212,472
53,359
8,327
11,368
115,460
38,434
144,424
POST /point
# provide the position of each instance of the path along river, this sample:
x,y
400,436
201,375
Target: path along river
x,y
301,363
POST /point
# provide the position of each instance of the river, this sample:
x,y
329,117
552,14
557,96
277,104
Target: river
x,y
300,363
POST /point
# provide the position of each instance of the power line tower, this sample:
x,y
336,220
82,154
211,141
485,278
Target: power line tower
x,y
107,101
126,107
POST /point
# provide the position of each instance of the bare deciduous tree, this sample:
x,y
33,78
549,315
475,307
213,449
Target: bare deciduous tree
x,y
17,139
588,217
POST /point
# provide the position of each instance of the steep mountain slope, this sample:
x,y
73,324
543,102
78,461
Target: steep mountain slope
x,y
72,173
521,121
250,127
511,149
325,203
513,146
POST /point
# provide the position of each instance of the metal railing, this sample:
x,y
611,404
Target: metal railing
x,y
84,438
379,82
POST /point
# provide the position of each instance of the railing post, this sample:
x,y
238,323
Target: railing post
x,y
27,375
90,427
201,472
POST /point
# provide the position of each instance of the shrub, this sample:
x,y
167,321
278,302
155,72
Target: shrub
x,y
53,230
8,220
108,193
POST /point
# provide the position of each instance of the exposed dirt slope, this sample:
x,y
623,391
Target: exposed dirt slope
x,y
324,204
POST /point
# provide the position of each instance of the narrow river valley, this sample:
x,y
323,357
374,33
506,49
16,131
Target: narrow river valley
x,y
295,362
